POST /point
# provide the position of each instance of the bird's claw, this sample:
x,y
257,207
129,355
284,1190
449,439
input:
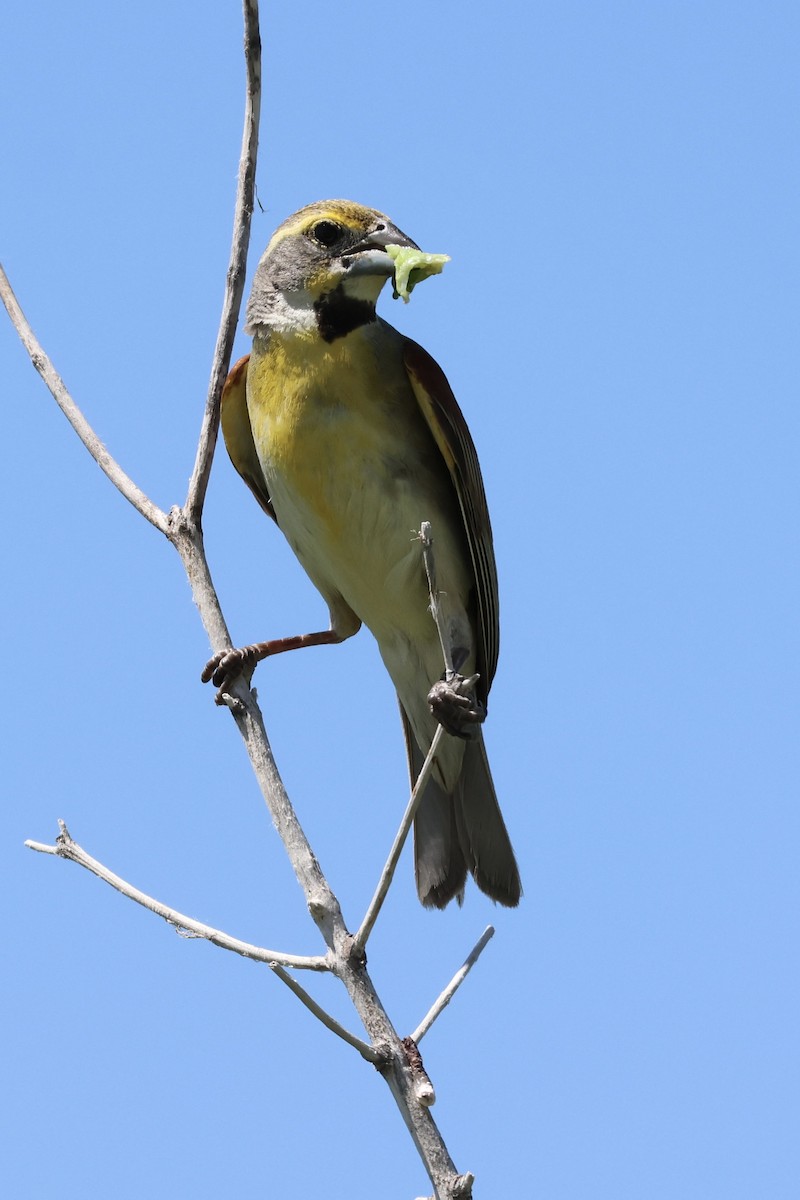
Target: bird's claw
x,y
456,707
224,667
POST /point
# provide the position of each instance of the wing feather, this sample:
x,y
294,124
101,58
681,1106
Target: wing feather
x,y
446,422
238,434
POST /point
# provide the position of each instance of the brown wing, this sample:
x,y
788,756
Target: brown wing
x,y
239,436
446,422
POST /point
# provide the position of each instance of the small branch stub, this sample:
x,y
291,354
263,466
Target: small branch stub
x,y
423,1088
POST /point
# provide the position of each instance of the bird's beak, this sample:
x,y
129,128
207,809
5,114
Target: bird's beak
x,y
369,257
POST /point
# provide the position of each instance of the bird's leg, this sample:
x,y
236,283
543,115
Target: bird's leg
x,y
224,667
453,700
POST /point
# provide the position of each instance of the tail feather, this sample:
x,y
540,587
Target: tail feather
x,y
439,864
454,833
482,832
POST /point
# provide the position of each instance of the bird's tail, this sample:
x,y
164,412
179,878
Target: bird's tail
x,y
439,863
462,831
482,833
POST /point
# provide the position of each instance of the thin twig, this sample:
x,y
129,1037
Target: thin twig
x,y
368,1052
365,929
359,942
455,983
63,399
237,266
426,538
67,847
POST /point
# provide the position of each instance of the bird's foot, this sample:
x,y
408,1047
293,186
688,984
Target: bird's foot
x,y
227,665
453,702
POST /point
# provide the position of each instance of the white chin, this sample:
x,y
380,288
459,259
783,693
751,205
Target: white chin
x,y
371,262
364,286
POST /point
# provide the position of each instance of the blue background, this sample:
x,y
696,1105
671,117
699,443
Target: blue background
x,y
617,184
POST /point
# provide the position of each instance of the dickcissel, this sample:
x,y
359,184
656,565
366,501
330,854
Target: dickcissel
x,y
349,436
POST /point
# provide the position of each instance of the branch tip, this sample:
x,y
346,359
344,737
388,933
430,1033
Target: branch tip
x,y
446,996
60,393
237,266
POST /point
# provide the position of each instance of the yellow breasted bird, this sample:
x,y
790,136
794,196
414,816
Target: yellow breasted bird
x,y
349,437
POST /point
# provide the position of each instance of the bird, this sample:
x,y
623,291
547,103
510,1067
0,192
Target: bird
x,y
349,436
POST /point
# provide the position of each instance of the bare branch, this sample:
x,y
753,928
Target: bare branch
x,y
426,538
455,983
368,1052
365,929
66,847
322,903
460,1189
182,526
237,266
142,503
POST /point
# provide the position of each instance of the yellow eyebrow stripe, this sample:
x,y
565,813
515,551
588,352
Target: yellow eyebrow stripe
x,y
353,216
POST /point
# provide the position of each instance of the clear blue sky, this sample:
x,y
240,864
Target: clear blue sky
x,y
617,184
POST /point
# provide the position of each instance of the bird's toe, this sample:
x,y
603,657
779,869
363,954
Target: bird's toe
x,y
455,706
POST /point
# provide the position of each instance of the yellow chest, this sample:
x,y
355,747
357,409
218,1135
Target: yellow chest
x,y
335,423
351,467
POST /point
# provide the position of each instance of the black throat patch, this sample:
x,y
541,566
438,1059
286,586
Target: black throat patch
x,y
339,314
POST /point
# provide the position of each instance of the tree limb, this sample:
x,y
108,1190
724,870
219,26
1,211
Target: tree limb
x,y
376,1056
67,847
58,390
237,266
426,540
365,929
384,883
461,974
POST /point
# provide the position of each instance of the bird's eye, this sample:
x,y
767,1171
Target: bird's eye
x,y
327,233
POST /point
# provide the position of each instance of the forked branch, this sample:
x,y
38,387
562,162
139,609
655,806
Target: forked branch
x,y
66,847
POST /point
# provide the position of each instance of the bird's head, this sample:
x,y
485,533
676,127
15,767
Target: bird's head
x,y
323,270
